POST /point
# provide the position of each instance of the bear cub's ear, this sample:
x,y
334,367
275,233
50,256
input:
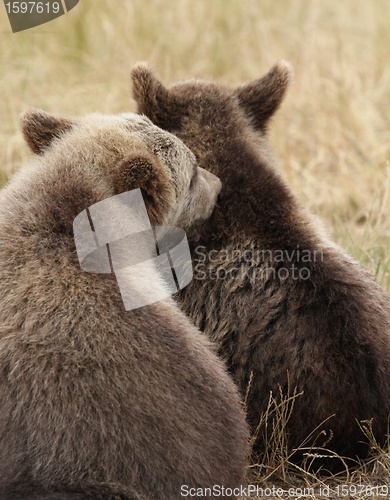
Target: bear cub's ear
x,y
155,100
261,99
144,171
40,129
148,92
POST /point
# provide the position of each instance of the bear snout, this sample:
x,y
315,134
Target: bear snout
x,y
212,180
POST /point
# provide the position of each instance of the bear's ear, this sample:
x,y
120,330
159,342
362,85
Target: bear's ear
x,y
40,129
153,99
145,171
261,98
148,92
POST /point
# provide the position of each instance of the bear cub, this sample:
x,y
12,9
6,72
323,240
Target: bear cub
x,y
292,310
96,401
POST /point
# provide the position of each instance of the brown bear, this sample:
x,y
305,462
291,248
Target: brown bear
x,y
96,401
286,306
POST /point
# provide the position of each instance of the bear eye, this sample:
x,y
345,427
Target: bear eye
x,y
194,177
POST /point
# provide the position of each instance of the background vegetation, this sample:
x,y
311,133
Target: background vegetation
x,y
332,135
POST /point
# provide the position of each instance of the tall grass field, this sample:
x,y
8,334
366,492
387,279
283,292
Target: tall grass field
x,y
331,136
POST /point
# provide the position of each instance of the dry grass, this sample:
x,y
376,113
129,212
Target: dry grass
x,y
274,470
332,136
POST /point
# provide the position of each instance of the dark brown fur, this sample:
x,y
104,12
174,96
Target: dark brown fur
x,y
328,335
97,402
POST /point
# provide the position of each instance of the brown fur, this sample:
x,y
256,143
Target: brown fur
x,y
97,402
328,335
40,129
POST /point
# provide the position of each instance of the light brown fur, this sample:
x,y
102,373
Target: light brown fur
x,y
327,336
97,402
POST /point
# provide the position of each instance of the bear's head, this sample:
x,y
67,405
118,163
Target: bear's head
x,y
207,115
125,152
226,129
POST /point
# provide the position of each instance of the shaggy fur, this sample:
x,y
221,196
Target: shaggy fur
x,y
324,332
97,402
